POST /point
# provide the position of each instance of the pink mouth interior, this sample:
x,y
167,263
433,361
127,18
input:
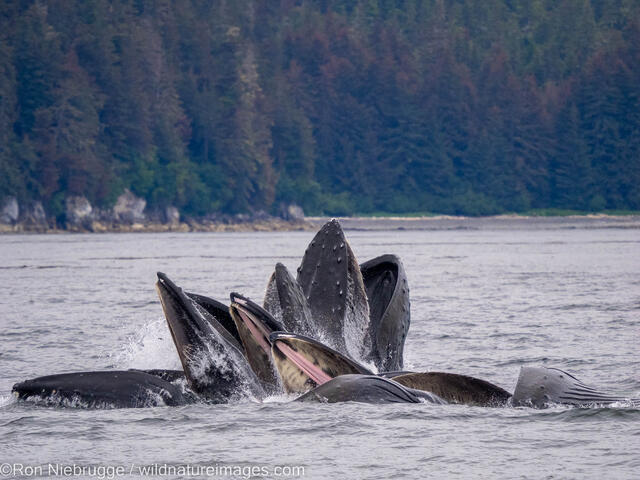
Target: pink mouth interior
x,y
257,329
314,372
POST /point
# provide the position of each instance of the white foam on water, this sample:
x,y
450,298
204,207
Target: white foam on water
x,y
149,399
7,400
56,400
150,347
280,398
626,403
155,399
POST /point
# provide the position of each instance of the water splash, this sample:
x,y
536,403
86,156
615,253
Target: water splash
x,y
148,399
356,319
149,347
56,400
6,400
272,300
280,398
210,357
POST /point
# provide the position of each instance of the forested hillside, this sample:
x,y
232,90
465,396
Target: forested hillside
x,y
351,106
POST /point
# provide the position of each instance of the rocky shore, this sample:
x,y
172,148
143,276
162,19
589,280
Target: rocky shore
x,y
129,214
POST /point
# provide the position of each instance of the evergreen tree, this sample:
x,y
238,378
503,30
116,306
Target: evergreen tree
x,y
342,106
11,182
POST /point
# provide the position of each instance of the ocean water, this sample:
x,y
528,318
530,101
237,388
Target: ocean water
x,y
486,299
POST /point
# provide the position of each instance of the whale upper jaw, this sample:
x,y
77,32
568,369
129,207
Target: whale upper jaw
x,y
330,279
212,359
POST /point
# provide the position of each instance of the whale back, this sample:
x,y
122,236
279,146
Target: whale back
x,y
110,389
365,389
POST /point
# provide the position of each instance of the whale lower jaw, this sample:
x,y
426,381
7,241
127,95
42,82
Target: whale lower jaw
x,y
303,363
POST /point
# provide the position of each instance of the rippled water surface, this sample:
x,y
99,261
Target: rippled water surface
x,y
485,300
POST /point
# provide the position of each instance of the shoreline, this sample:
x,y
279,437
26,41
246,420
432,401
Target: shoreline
x,y
272,225
503,216
497,222
311,223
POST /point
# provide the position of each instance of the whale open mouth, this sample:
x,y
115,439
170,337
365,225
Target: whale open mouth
x,y
255,325
305,363
256,319
188,328
212,359
313,371
259,329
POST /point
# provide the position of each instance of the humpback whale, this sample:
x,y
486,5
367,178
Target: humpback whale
x,y
212,309
254,325
332,283
361,311
121,389
540,387
285,300
304,363
212,359
309,338
366,389
168,375
110,389
389,310
455,388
